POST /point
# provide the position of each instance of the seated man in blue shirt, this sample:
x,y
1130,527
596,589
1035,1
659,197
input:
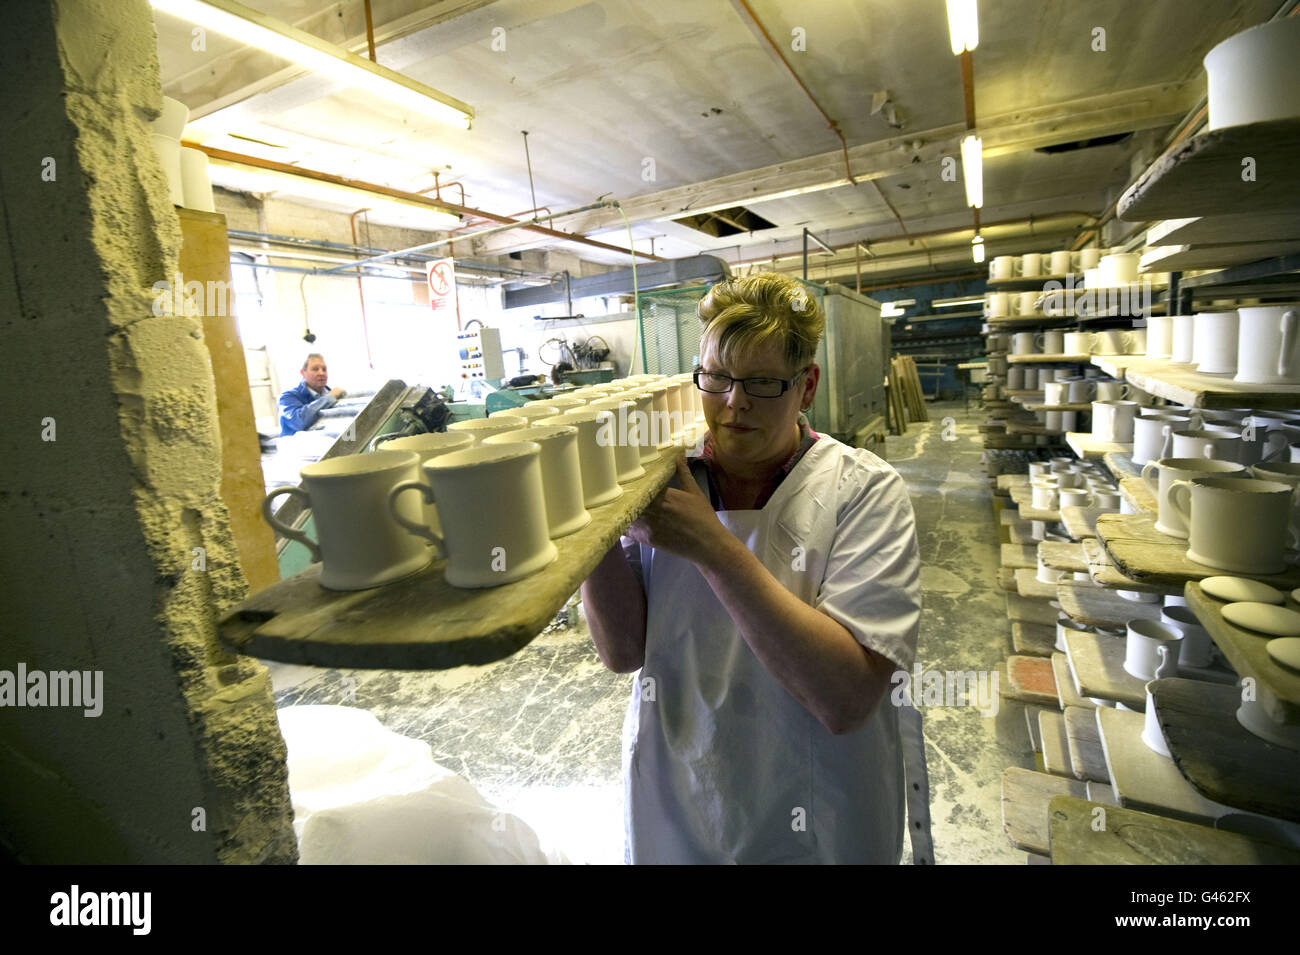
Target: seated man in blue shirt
x,y
300,406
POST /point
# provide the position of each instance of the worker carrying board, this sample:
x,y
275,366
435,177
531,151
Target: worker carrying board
x,y
766,598
301,405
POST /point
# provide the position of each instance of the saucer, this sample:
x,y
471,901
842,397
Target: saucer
x,y
1286,651
1263,618
1241,588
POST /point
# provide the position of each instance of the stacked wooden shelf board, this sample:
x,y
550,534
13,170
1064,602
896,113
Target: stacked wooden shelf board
x,y
906,397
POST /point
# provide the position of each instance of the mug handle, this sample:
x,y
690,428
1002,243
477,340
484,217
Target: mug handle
x,y
290,532
1150,477
1124,391
1168,665
1285,354
426,493
1180,499
1039,339
381,438
1167,445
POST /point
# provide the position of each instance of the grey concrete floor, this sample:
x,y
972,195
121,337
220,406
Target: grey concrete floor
x,y
539,733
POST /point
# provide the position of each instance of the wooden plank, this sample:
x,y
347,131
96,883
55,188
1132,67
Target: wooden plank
x,y
1065,686
1202,175
1059,555
1089,448
1196,390
1102,793
205,257
1178,258
1038,406
1021,532
1130,837
1079,521
1026,796
1087,761
1056,747
1141,552
1233,227
1098,607
1030,679
1049,359
421,621
1277,688
1028,585
1032,639
1007,580
1027,610
1223,760
1143,779
1017,556
1105,574
1139,496
1097,662
1032,712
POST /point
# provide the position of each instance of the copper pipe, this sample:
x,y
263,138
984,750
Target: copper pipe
x,y
885,199
968,86
834,126
370,36
437,188
361,292
440,205
928,281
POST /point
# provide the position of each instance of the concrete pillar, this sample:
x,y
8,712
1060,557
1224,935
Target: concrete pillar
x,y
117,556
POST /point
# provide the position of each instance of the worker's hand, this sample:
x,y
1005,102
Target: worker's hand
x,y
681,521
337,393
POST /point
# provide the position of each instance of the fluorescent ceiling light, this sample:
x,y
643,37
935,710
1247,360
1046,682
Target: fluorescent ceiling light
x,y
977,249
953,302
248,26
252,179
890,310
963,25
972,166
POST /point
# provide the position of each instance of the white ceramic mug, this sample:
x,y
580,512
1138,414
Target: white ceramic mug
x,y
1196,639
1026,302
1032,379
1214,343
1182,339
1284,472
1055,393
1074,497
1237,524
1053,342
1160,476
1160,336
1249,75
1016,377
1267,351
533,411
1113,420
1107,500
1078,343
1206,443
1141,658
1003,267
997,305
1082,390
1112,341
1059,262
480,428
493,513
1118,269
597,435
1153,437
1043,496
427,447
1087,259
660,419
1024,343
627,440
1137,342
360,543
1031,264
561,473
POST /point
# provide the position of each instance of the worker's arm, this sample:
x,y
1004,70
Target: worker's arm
x,y
614,602
813,656
299,415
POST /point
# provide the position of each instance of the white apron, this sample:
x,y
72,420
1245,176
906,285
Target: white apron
x,y
721,763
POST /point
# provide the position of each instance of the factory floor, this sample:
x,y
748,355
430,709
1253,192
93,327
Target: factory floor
x,y
539,733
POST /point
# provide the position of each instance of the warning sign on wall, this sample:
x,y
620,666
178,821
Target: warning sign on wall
x,y
442,286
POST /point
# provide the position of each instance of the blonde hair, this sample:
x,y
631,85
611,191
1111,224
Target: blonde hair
x,y
745,313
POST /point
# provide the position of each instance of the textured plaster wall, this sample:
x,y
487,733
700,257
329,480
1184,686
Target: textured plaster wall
x,y
102,522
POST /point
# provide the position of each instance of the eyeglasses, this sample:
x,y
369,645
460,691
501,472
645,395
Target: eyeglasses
x,y
717,384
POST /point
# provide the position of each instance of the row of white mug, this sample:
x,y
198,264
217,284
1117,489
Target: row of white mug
x,y
1257,345
492,493
1114,266
1055,341
1242,435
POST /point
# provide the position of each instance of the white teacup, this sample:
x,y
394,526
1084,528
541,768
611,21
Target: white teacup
x,y
1108,501
360,543
1025,304
1141,658
1160,476
561,473
1237,524
493,513
1207,443
1153,437
1078,343
1111,390
1075,497
1015,377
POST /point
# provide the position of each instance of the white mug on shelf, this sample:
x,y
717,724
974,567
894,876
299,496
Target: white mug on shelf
x,y
997,305
1031,264
1118,269
1196,639
1239,525
1059,263
1053,342
1078,343
1087,259
1082,390
1055,392
1016,377
1205,443
1141,658
1003,267
1112,341
1026,302
561,474
1160,336
1024,343
1267,352
1214,343
1112,421
1112,390
1160,476
1182,339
